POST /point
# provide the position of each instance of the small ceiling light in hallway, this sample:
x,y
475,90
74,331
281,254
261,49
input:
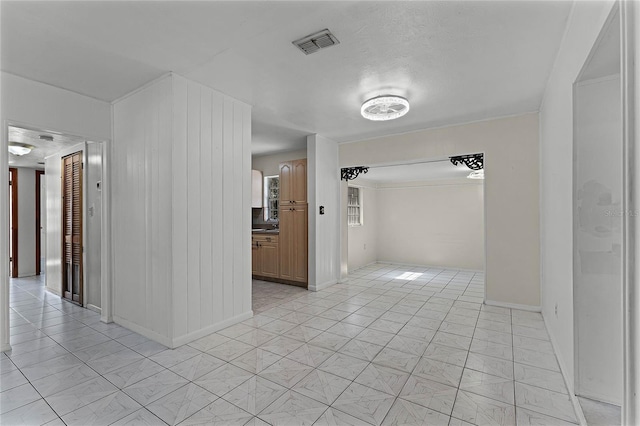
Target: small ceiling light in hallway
x,y
17,148
385,107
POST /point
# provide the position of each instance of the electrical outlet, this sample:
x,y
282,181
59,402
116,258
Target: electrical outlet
x,y
556,310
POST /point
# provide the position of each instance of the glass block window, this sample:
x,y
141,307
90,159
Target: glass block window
x,y
354,206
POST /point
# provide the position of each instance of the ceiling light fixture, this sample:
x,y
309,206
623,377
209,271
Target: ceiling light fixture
x,y
385,107
17,148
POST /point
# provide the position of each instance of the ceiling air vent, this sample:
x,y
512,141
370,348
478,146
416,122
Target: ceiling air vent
x,y
314,42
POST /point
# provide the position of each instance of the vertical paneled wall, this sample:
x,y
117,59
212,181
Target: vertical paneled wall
x,y
141,210
211,209
181,210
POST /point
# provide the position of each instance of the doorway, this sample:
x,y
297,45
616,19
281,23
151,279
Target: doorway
x,y
425,216
13,222
597,222
41,212
72,248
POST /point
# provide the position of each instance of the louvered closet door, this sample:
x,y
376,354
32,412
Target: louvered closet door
x,y
72,227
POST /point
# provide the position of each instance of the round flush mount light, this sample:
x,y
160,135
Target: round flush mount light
x,y
386,107
17,148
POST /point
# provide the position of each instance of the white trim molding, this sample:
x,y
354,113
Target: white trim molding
x,y
529,308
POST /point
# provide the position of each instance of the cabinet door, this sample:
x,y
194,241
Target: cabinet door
x,y
270,256
286,176
299,181
255,259
286,240
299,253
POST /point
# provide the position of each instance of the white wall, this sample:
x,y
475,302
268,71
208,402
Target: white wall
x,y
511,153
269,165
26,222
323,183
363,239
42,106
53,266
181,210
598,239
432,223
556,157
93,224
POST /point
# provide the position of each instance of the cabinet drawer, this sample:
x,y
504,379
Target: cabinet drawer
x,y
264,239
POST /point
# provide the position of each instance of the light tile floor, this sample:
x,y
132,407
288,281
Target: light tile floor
x,y
393,345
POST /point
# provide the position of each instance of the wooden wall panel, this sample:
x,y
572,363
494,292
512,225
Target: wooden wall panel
x,y
194,203
206,205
217,219
179,203
181,210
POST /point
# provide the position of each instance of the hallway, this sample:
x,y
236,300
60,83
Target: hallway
x,y
393,344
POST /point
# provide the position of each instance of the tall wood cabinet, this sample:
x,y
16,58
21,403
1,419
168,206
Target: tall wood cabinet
x,y
293,221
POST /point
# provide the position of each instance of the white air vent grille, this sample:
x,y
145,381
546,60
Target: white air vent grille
x,y
314,42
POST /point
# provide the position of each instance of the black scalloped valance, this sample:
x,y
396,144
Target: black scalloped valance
x,y
350,173
472,161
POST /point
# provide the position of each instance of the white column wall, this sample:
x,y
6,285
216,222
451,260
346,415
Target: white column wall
x,y
556,157
323,182
141,211
181,176
211,213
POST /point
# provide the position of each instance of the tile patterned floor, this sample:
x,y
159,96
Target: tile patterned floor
x,y
394,345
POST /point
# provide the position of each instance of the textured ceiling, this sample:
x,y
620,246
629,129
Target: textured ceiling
x,y
42,148
455,61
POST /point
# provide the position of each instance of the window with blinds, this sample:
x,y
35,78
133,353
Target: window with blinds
x,y
354,206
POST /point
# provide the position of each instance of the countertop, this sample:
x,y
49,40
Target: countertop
x,y
256,231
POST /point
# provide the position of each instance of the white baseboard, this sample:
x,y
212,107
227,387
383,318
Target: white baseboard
x,y
529,308
563,370
94,308
164,340
54,291
5,348
188,338
322,286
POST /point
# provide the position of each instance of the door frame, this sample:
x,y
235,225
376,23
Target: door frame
x,y
39,174
14,222
106,244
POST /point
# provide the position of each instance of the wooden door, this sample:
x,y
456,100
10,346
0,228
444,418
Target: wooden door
x,y
13,221
72,264
39,174
299,253
299,181
286,176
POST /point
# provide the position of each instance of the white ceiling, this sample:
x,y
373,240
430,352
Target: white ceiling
x,y
455,61
418,172
42,148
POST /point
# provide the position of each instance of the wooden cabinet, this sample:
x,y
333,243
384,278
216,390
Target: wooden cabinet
x,y
293,182
265,256
293,243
